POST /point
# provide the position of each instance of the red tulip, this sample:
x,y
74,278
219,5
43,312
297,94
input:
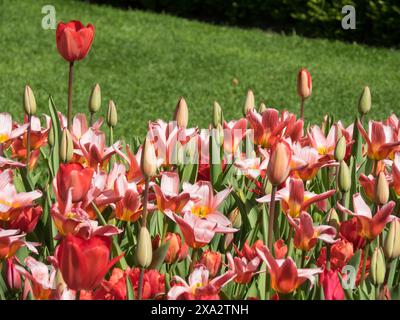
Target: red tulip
x,y
74,40
331,284
84,263
25,219
73,175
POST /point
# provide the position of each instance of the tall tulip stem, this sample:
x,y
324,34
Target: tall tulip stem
x,y
145,200
70,81
28,142
140,288
271,221
302,109
364,266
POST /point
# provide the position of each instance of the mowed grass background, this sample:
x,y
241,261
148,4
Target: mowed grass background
x,y
145,62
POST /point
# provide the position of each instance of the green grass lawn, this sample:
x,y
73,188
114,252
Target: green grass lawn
x,y
145,61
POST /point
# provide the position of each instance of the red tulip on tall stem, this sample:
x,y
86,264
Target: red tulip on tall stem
x,y
74,41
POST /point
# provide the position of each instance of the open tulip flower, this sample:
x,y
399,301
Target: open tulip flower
x,y
167,194
285,277
381,139
199,286
369,226
306,235
295,199
254,208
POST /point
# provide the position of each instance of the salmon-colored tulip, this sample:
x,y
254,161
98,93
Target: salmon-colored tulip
x,y
295,199
244,269
177,250
212,261
74,40
304,83
279,163
306,235
380,139
11,240
234,132
285,277
369,226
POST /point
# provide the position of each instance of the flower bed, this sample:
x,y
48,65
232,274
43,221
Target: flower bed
x,y
258,208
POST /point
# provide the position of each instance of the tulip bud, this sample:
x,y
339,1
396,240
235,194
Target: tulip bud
x,y
340,150
212,261
279,164
392,241
378,267
219,135
304,83
29,101
235,218
148,161
381,189
333,218
144,248
181,115
262,107
344,177
66,146
112,117
51,136
218,117
95,99
364,103
249,103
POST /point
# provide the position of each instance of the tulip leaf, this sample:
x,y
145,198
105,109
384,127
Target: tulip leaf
x,y
130,295
159,256
3,287
392,271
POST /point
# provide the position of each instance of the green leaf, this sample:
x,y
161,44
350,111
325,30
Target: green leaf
x,y
159,256
130,295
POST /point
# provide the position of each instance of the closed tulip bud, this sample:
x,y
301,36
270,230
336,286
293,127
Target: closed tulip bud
x,y
279,163
148,161
344,177
249,103
333,218
95,99
262,107
212,260
378,267
381,189
218,117
29,101
51,137
181,115
364,103
66,146
304,84
235,218
144,248
219,135
112,117
340,150
392,241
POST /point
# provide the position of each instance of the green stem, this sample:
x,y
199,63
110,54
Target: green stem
x,y
140,287
28,144
193,258
364,266
70,81
271,218
91,118
145,200
302,109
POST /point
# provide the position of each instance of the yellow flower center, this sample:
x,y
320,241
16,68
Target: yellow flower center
x,y
3,138
200,211
196,286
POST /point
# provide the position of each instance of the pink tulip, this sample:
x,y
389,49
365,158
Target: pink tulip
x,y
324,145
306,235
285,277
234,132
168,196
380,139
199,286
196,231
295,199
11,240
205,205
267,127
368,226
7,130
243,269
